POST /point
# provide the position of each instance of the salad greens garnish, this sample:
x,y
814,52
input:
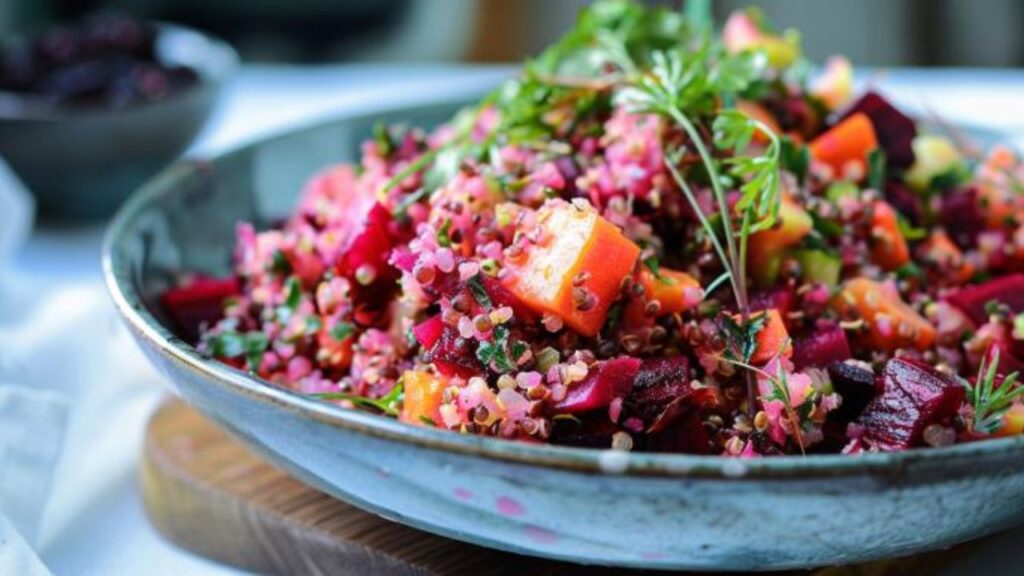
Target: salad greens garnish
x,y
990,399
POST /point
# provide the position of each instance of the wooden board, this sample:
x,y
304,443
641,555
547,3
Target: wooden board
x,y
206,492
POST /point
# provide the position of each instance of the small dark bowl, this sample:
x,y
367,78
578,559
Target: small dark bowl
x,y
81,163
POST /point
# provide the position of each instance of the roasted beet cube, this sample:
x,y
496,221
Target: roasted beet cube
x,y
779,298
606,381
685,434
960,216
894,129
428,332
972,300
820,348
592,430
369,248
454,355
199,302
658,382
905,201
913,396
855,385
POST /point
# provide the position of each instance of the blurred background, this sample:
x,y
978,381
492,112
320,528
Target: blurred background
x,y
985,33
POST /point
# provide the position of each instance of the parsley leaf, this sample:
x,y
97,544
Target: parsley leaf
x,y
493,353
342,330
476,287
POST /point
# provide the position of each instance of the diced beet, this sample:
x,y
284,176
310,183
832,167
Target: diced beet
x,y
570,171
403,259
501,296
905,201
971,300
198,302
827,344
779,298
960,216
428,332
454,355
856,386
894,129
658,382
685,435
370,246
914,396
592,430
608,380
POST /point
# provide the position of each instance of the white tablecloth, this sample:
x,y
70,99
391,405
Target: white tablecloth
x,y
58,330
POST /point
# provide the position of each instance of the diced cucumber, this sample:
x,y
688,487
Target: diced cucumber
x,y
841,189
818,266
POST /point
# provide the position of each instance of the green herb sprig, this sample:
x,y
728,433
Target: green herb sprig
x,y
990,402
389,404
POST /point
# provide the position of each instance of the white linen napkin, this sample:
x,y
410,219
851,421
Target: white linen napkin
x,y
32,421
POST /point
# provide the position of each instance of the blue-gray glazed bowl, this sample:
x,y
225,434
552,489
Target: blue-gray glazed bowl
x,y
588,506
81,163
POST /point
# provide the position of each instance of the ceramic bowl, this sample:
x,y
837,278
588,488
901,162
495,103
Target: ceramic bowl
x,y
588,506
81,163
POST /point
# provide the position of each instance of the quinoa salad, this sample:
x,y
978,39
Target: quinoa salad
x,y
658,237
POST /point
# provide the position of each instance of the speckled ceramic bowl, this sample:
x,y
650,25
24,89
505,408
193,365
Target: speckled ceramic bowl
x,y
590,506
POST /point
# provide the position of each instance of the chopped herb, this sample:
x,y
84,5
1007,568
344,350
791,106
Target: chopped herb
x,y
794,158
493,353
992,307
876,169
443,239
279,264
652,264
909,231
342,330
476,287
382,137
428,420
231,344
741,338
293,293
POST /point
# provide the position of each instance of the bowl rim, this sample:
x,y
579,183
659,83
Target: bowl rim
x,y
218,69
152,333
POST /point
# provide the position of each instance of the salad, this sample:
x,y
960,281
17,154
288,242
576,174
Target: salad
x,y
656,238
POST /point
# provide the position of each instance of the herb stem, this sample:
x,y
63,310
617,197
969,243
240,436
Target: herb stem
x,y
739,289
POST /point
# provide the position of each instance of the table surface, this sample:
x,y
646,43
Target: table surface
x,y
111,536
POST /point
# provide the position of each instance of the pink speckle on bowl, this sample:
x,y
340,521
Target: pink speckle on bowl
x,y
540,535
462,494
509,507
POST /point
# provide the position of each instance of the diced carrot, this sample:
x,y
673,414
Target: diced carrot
x,y
890,322
845,144
888,247
765,248
674,291
575,270
755,111
939,251
1013,421
773,339
422,398
998,201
